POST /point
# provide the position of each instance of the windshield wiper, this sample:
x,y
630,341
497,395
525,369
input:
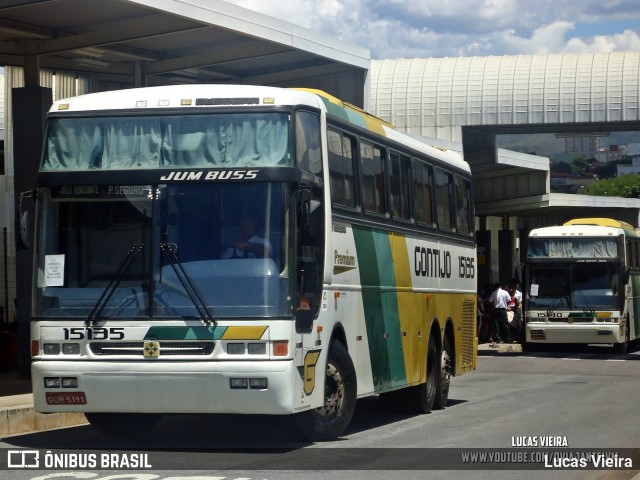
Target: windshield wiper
x,y
589,308
105,298
552,307
557,302
187,283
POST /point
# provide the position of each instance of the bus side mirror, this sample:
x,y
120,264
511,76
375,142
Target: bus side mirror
x,y
308,272
310,219
308,286
23,237
304,314
626,273
23,229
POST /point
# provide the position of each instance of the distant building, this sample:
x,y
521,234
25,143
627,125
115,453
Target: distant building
x,y
633,149
630,169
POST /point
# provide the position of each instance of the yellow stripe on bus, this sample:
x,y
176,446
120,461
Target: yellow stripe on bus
x,y
244,333
408,308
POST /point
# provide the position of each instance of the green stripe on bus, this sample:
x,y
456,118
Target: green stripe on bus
x,y
375,264
335,110
184,333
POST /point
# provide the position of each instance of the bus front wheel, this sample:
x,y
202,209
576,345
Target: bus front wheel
x,y
331,419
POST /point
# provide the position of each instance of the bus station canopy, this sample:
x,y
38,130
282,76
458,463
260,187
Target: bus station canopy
x,y
155,42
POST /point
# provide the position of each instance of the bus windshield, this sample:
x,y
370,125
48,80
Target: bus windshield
x,y
578,286
167,141
136,251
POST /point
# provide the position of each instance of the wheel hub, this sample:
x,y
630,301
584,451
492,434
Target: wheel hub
x,y
334,392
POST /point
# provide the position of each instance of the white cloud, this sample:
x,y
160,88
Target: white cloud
x,y
627,40
438,28
545,39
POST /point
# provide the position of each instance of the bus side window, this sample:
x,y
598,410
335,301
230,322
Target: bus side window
x,y
341,169
631,253
373,188
399,185
463,205
443,199
423,191
308,151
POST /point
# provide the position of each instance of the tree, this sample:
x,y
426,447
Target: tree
x,y
627,186
559,167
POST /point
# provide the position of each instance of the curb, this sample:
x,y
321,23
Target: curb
x,y
485,349
17,415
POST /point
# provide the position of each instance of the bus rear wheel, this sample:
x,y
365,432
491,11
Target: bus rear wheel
x,y
421,398
123,424
446,368
332,418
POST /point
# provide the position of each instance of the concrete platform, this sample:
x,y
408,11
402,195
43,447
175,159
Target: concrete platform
x,y
17,414
499,348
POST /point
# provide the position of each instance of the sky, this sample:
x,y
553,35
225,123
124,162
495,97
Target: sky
x,y
393,29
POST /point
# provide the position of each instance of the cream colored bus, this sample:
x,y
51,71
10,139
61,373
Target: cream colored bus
x,y
582,284
248,250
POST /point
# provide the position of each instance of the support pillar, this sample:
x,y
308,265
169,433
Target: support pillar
x,y
30,105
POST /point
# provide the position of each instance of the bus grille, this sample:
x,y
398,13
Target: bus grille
x,y
468,332
137,348
571,320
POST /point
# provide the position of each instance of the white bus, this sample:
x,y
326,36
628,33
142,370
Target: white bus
x,y
582,284
244,249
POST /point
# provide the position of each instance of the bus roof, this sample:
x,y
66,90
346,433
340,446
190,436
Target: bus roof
x,y
360,117
588,227
184,96
602,222
220,95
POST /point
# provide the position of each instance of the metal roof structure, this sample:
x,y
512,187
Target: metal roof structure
x,y
434,96
469,100
126,43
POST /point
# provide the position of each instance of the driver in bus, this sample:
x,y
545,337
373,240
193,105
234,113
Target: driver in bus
x,y
248,244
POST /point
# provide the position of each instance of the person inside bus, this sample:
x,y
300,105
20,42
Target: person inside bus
x,y
248,243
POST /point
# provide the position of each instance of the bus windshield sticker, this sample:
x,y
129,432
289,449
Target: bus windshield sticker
x,y
534,290
54,271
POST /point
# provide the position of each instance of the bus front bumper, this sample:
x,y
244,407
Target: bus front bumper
x,y
575,333
194,387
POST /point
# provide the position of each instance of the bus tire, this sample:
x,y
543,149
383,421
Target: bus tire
x,y
421,398
444,381
621,348
123,424
329,421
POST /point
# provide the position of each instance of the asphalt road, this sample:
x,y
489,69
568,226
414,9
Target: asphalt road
x,y
574,399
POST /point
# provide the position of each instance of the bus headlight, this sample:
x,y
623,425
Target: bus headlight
x,y
258,383
235,348
51,382
239,383
257,348
71,348
69,382
51,348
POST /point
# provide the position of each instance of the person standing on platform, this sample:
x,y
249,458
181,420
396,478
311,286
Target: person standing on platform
x,y
500,299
